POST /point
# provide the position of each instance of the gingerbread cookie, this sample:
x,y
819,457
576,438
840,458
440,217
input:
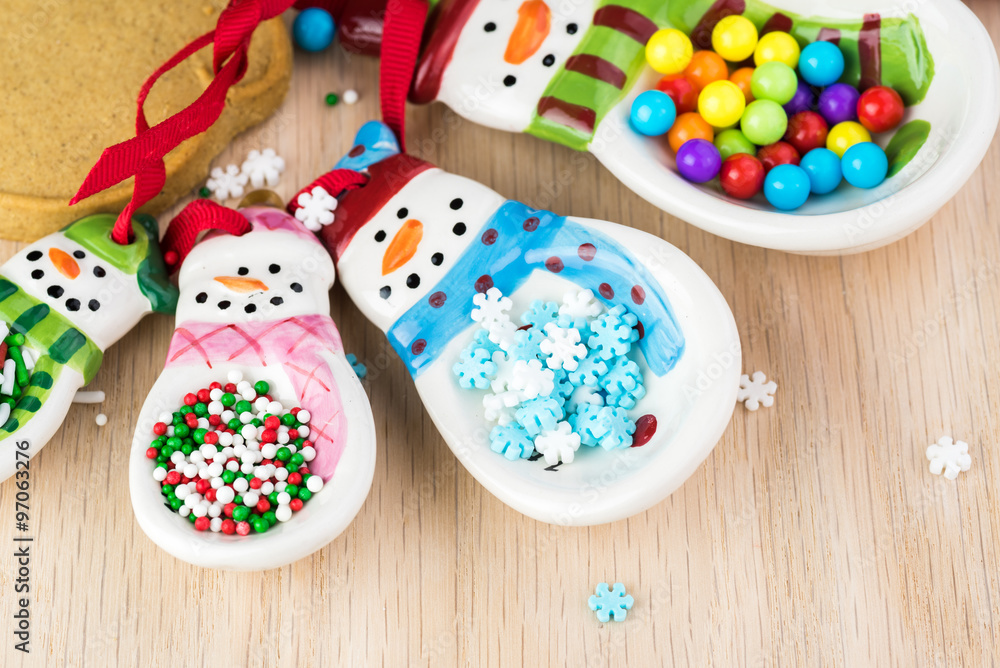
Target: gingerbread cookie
x,y
70,79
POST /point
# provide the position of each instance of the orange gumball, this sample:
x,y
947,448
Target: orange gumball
x,y
706,67
741,78
687,127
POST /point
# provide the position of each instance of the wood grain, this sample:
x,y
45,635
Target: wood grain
x,y
813,535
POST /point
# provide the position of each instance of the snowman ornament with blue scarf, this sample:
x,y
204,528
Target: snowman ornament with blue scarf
x,y
415,246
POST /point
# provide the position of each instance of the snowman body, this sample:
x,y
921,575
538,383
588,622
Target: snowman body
x,y
415,264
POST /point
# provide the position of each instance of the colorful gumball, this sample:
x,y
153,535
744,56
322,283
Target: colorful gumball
x,y
777,154
669,51
731,142
706,67
735,38
742,176
803,100
845,135
687,127
313,29
699,161
743,78
824,170
865,165
777,46
880,109
821,63
774,81
787,187
807,131
839,103
681,91
764,122
721,103
653,113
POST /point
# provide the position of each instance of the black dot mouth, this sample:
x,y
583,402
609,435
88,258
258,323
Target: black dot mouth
x,y
277,301
413,281
572,28
274,268
55,291
384,292
549,60
509,80
459,229
34,256
223,305
73,304
437,259
93,304
296,287
37,274
250,308
201,297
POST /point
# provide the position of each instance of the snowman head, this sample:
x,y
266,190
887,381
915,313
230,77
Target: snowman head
x,y
102,287
492,60
395,238
277,270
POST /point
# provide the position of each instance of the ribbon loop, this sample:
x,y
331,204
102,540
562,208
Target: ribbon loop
x,y
197,217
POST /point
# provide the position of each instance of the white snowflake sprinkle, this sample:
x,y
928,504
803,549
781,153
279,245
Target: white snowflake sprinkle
x,y
226,183
563,347
559,444
491,308
580,305
496,407
949,457
756,392
263,168
316,208
531,380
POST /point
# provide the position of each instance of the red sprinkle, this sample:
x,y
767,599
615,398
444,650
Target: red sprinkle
x,y
293,434
203,486
203,396
201,524
256,482
295,411
215,420
152,453
294,479
230,388
263,506
228,527
215,385
210,494
160,428
295,505
228,509
190,399
212,437
173,478
272,422
269,435
243,528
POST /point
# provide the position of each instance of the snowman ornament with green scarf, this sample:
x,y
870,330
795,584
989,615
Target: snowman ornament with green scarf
x,y
63,301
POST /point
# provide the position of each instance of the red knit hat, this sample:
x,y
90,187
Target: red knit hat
x,y
357,207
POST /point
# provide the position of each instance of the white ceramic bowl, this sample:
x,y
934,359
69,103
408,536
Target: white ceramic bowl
x,y
962,106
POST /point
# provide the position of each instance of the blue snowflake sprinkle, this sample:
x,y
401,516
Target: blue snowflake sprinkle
x,y
623,383
512,441
540,314
538,415
360,370
613,333
619,428
527,344
589,371
608,603
475,369
589,424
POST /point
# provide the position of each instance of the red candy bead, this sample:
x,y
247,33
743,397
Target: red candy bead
x,y
191,420
202,523
190,399
295,479
307,443
295,411
210,494
742,176
295,505
214,420
243,528
203,486
228,509
211,438
203,396
263,506
269,436
172,478
293,434
272,422
152,453
230,388
807,130
778,153
228,527
256,482
681,91
160,428
215,385
880,109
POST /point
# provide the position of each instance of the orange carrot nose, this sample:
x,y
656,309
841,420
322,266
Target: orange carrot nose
x,y
240,284
403,246
66,265
534,20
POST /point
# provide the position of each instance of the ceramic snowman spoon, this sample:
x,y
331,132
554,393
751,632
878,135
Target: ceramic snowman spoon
x,y
63,301
417,248
249,481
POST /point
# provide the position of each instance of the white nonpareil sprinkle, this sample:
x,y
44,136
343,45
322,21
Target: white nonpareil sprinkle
x,y
350,96
101,419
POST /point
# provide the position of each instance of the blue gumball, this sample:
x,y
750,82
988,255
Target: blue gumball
x,y
653,113
821,63
865,165
787,187
313,29
823,167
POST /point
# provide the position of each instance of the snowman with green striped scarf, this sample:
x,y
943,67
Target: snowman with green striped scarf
x,y
63,301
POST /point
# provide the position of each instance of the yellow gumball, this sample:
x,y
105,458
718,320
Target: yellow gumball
x,y
669,51
845,135
778,46
735,38
722,103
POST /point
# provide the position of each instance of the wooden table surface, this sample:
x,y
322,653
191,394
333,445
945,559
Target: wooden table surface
x,y
813,535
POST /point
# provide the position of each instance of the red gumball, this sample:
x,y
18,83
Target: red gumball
x,y
778,153
742,176
807,130
880,109
681,91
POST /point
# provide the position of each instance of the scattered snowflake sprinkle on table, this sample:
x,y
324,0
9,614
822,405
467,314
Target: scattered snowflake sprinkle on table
x,y
756,391
263,168
611,603
227,183
949,457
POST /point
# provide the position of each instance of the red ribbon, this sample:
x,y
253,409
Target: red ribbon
x,y
334,182
197,217
402,32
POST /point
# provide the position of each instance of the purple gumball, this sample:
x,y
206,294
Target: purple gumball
x,y
839,103
699,161
804,100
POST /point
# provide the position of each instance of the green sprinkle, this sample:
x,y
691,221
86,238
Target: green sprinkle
x,y
241,513
283,454
332,99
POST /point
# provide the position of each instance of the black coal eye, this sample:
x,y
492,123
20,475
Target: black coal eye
x,y
37,274
412,281
380,236
549,60
274,268
99,272
296,287
201,297
402,213
73,304
250,308
224,304
35,255
437,259
79,254
456,204
490,27
509,80
384,292
459,229
93,304
572,28
242,271
55,291
277,301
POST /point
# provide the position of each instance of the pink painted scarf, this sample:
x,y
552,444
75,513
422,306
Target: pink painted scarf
x,y
293,344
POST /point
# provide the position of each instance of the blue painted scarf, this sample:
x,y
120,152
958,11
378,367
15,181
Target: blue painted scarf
x,y
517,241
